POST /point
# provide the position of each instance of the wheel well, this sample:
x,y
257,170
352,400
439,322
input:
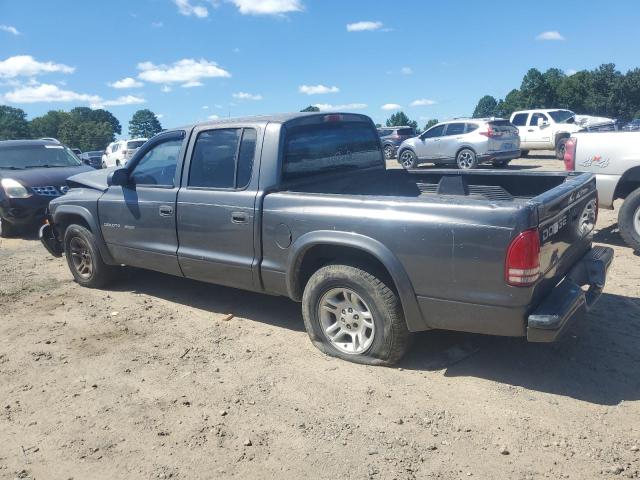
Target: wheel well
x,y
63,222
628,183
560,136
465,147
318,256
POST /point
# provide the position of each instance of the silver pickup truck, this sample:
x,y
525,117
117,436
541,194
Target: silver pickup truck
x,y
302,205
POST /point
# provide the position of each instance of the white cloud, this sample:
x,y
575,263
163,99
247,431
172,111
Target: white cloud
x,y
159,115
391,106
47,93
127,82
27,66
186,8
247,96
317,89
550,35
125,100
205,107
188,72
9,29
347,106
422,102
406,70
570,71
267,7
363,26
194,83
213,117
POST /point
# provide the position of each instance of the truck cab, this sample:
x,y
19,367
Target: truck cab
x,y
544,129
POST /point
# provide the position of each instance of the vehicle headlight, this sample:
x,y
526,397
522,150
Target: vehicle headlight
x,y
14,189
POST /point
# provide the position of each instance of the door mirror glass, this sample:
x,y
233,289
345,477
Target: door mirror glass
x,y
541,122
118,177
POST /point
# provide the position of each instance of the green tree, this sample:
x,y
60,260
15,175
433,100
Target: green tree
x,y
99,115
85,134
144,123
511,103
534,90
310,108
573,91
13,123
486,107
431,123
553,77
399,119
48,125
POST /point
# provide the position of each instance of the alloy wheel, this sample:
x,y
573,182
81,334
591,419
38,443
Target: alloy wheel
x,y
465,159
407,159
346,320
636,221
388,152
81,257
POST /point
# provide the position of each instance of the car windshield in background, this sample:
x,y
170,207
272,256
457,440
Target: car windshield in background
x,y
330,147
97,153
134,145
35,156
406,132
561,116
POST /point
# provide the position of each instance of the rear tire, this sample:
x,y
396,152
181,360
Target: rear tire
x,y
408,159
342,303
84,259
629,220
466,159
560,148
389,152
7,229
524,153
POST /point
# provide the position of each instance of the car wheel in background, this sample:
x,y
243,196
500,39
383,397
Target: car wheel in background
x,y
629,220
84,259
389,152
408,159
524,153
560,148
466,159
352,314
7,229
500,163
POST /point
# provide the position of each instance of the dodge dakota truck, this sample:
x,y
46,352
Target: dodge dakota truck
x,y
301,205
614,158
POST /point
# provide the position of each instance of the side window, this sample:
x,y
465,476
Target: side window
x,y
158,166
215,155
436,131
520,120
455,128
534,119
472,127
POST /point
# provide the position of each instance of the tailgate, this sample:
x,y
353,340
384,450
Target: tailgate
x,y
566,218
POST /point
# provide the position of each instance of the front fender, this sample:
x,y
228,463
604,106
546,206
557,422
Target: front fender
x,y
412,312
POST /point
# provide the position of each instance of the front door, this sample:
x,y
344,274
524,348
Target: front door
x,y
451,140
428,148
538,136
138,220
216,207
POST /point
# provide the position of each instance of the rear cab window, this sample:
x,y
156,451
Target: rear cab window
x,y
329,146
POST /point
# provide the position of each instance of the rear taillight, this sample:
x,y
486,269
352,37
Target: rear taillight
x,y
333,117
490,132
522,266
570,154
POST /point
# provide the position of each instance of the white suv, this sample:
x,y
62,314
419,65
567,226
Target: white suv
x,y
119,153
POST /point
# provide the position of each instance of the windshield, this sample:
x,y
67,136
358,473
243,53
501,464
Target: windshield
x,y
561,116
34,156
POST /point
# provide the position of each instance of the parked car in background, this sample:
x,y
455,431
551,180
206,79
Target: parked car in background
x,y
465,143
615,160
392,137
632,126
302,205
93,158
32,172
77,151
549,129
120,152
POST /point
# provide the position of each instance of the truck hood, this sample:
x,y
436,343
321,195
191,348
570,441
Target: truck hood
x,y
95,179
42,177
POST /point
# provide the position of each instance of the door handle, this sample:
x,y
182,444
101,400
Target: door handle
x,y
531,130
238,217
165,210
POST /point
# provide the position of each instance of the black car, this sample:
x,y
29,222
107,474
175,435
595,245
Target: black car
x,y
632,126
392,137
93,159
32,172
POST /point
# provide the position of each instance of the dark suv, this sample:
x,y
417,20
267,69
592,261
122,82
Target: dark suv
x,y
392,137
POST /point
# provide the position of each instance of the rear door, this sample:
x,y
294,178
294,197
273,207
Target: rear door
x,y
428,148
216,206
138,220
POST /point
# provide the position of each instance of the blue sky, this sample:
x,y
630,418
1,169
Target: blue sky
x,y
188,60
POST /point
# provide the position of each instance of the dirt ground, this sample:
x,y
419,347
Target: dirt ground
x,y
151,379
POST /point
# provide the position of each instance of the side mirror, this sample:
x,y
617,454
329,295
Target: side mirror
x,y
119,177
542,122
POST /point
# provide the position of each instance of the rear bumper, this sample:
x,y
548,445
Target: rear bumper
x,y
568,302
498,156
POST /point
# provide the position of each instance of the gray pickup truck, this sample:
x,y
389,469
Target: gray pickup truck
x,y
303,206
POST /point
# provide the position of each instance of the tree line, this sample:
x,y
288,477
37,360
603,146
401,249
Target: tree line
x,y
82,127
603,91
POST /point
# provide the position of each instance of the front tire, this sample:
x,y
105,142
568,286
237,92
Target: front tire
x,y
629,220
408,159
560,148
466,159
524,153
353,315
7,229
84,259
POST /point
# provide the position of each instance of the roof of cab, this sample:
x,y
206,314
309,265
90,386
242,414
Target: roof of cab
x,y
26,143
